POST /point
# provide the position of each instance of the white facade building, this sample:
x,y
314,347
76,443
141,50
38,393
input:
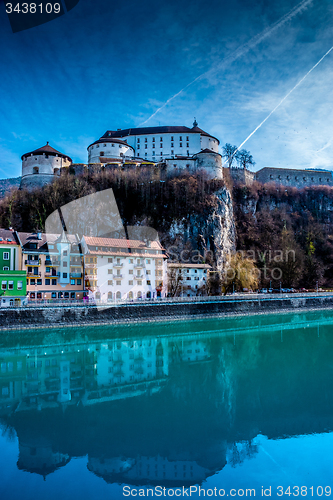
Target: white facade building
x,y
193,278
39,167
117,269
158,143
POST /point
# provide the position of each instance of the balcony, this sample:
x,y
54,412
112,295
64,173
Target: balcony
x,y
55,263
139,277
118,265
75,275
34,275
91,266
89,276
29,262
138,266
118,276
52,275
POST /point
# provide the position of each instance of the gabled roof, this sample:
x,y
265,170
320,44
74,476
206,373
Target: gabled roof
x,y
5,235
207,151
96,241
47,149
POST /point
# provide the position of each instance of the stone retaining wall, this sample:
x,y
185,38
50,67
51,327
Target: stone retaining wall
x,y
71,315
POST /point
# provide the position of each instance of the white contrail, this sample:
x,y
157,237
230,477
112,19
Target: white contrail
x,y
241,50
285,97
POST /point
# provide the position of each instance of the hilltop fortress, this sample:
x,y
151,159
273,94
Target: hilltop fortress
x,y
170,148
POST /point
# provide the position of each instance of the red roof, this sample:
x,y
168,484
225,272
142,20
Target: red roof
x,y
48,150
120,243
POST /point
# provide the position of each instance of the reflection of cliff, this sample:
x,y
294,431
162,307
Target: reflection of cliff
x,y
165,410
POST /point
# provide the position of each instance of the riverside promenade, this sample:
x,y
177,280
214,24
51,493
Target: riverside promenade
x,y
72,314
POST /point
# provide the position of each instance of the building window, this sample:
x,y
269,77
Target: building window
x,y
110,260
32,282
138,139
53,295
6,256
109,295
180,144
5,268
130,282
188,153
148,282
139,283
101,153
72,282
10,285
110,271
138,146
130,271
47,281
146,140
39,281
19,285
65,253
118,283
35,170
64,275
110,282
54,282
78,282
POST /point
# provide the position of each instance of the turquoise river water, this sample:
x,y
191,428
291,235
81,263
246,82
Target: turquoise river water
x,y
239,407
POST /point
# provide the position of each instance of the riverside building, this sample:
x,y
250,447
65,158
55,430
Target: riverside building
x,y
53,265
124,269
188,280
12,279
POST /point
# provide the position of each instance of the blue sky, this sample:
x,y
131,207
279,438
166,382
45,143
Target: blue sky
x,y
107,65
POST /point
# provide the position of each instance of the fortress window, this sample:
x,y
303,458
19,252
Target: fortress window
x,y
187,145
187,138
312,178
172,151
187,165
279,176
161,145
138,139
188,153
153,145
46,156
146,146
56,170
104,145
172,138
161,138
97,145
319,179
146,140
101,153
112,145
296,178
180,145
36,170
288,178
180,138
304,178
153,139
172,144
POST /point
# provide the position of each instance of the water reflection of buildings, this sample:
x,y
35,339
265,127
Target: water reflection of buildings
x,y
164,410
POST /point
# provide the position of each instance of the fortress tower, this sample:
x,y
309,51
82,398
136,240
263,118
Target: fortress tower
x,y
39,167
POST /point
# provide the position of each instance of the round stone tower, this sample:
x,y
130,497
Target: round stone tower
x,y
39,167
107,149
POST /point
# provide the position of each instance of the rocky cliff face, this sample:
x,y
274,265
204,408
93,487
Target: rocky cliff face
x,y
210,235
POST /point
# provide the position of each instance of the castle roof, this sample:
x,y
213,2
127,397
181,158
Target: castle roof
x,y
156,130
110,140
47,149
207,151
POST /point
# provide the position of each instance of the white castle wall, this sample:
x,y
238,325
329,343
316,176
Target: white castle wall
x,y
38,170
109,150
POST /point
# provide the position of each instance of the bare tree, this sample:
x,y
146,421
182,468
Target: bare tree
x,y
230,153
245,158
175,281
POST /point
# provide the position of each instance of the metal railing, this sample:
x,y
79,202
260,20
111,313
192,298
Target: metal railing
x,y
241,297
